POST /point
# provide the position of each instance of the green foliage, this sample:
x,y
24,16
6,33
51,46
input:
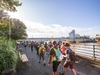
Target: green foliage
x,y
14,28
9,5
8,55
18,30
19,63
4,23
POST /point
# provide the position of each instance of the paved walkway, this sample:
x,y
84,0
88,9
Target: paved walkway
x,y
35,68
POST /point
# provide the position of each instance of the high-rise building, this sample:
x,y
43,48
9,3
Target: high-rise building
x,y
72,34
77,35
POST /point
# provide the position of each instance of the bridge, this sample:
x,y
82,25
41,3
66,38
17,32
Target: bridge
x,y
58,39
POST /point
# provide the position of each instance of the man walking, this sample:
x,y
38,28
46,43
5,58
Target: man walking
x,y
53,58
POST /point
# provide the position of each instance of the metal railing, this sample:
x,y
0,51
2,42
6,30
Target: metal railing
x,y
88,50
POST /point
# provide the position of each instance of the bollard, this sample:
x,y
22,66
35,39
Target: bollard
x,y
94,52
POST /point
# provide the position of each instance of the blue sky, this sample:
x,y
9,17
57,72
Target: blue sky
x,y
46,18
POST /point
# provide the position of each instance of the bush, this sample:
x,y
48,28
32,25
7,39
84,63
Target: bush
x,y
8,55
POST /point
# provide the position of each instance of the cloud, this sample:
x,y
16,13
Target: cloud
x,y
53,30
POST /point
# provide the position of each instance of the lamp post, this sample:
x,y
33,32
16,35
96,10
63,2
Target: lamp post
x,y
10,22
9,30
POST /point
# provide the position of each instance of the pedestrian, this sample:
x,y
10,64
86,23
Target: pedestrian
x,y
50,44
45,45
59,45
32,45
68,62
63,48
29,44
54,58
37,48
41,53
63,51
25,44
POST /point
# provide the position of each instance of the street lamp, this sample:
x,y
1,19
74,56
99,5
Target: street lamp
x,y
9,30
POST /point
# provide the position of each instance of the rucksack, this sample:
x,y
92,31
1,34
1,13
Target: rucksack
x,y
58,55
50,45
42,51
73,56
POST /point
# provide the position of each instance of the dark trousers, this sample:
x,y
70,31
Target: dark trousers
x,y
31,48
41,56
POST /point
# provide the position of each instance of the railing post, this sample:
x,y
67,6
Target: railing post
x,y
94,52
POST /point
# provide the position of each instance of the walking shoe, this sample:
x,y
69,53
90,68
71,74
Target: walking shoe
x,y
39,62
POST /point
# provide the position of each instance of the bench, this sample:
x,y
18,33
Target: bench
x,y
23,58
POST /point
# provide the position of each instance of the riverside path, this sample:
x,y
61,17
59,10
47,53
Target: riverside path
x,y
35,68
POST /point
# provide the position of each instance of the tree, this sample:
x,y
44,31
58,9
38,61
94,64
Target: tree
x,y
3,15
4,21
8,54
9,5
18,30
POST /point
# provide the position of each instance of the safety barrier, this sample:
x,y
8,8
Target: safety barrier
x,y
86,50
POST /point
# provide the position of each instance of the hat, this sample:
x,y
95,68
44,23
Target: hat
x,y
54,42
67,44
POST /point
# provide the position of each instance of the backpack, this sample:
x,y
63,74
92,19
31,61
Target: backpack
x,y
50,45
42,51
58,55
72,56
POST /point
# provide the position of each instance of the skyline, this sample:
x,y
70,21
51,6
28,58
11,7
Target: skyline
x,y
57,18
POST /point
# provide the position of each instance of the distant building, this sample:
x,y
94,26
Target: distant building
x,y
87,36
72,34
97,34
77,35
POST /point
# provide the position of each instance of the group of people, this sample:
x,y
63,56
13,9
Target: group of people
x,y
66,61
58,54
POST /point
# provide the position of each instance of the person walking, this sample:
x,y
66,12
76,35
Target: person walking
x,y
25,44
54,58
63,51
63,48
41,53
45,45
29,44
37,48
68,62
32,45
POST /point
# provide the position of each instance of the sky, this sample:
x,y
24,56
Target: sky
x,y
56,18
